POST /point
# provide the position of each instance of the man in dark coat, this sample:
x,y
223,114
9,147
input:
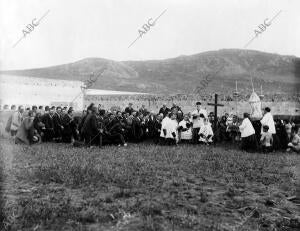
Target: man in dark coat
x,y
129,109
68,124
114,132
154,126
47,120
137,128
164,110
57,124
89,129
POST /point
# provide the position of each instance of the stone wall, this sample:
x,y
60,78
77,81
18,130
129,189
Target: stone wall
x,y
277,108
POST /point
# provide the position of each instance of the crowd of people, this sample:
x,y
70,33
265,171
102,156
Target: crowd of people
x,y
169,126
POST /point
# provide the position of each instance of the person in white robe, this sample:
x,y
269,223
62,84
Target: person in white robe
x,y
185,128
170,130
198,121
206,133
249,142
268,120
164,122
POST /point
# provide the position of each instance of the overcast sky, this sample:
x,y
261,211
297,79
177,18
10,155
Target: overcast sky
x,y
77,29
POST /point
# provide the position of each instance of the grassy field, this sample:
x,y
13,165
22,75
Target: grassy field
x,y
147,187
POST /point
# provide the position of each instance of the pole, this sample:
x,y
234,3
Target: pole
x,y
216,111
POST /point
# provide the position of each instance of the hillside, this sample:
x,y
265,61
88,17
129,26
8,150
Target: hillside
x,y
275,73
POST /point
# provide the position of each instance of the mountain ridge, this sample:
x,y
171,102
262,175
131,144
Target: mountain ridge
x,y
184,73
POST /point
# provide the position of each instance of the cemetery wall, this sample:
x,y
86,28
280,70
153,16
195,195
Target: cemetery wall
x,y
28,91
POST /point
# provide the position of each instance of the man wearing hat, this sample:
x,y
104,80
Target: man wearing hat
x,y
198,121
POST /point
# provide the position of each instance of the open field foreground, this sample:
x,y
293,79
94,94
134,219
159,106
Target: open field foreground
x,y
147,187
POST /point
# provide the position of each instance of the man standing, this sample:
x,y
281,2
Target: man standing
x,y
57,121
198,121
47,120
90,129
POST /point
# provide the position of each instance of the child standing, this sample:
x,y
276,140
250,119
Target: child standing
x,y
266,140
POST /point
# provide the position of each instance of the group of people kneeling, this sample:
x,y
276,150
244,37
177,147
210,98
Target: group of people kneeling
x,y
170,126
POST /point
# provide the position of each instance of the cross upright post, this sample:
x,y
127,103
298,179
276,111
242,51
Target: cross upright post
x,y
216,105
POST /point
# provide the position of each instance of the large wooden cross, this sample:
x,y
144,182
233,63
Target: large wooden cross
x,y
216,104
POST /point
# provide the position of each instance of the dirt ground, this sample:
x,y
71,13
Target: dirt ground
x,y
147,187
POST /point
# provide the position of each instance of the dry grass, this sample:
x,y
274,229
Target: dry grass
x,y
147,187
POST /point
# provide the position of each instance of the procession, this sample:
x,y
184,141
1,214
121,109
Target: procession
x,y
95,126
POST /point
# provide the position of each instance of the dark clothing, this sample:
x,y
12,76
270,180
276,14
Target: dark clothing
x,y
38,125
116,138
143,111
89,129
195,139
164,111
57,122
137,129
129,110
153,126
276,142
266,149
176,107
222,133
80,125
68,130
49,127
179,117
257,127
282,137
113,133
249,143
